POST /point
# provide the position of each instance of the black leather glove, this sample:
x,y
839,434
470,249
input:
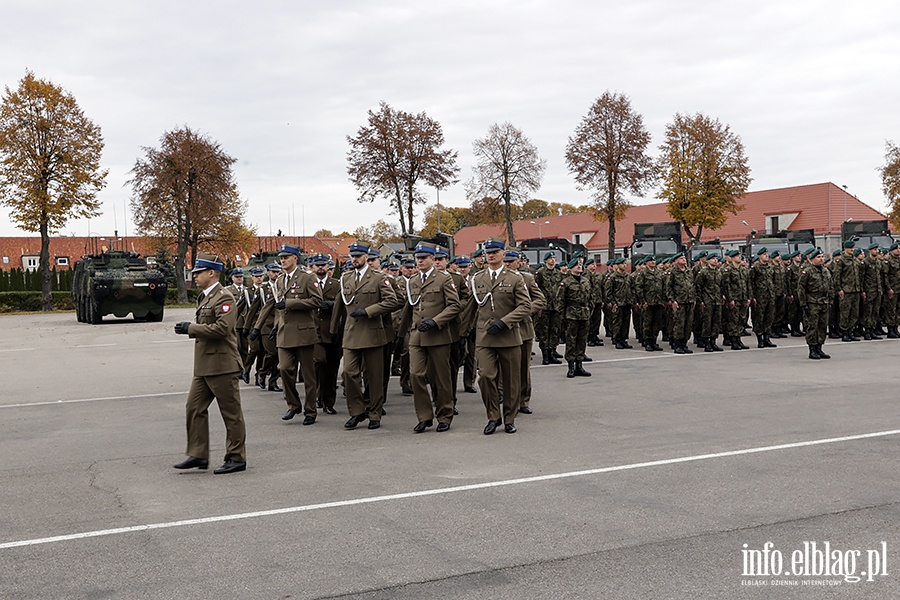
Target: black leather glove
x,y
496,327
359,313
244,332
280,305
274,333
254,335
806,310
329,304
182,328
427,325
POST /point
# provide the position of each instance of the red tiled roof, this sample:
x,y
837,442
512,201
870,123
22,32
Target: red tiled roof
x,y
820,206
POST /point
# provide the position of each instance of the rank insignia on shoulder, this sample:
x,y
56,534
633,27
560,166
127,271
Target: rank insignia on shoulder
x,y
226,308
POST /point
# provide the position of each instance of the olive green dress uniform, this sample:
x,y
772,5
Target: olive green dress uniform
x,y
814,293
681,290
845,271
499,355
255,352
297,336
265,323
242,300
364,337
429,351
217,364
538,303
327,353
457,353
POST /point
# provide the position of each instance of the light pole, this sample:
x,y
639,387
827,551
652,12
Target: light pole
x,y
540,227
845,202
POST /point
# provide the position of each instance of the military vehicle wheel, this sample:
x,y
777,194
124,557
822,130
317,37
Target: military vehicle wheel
x,y
94,316
155,318
78,311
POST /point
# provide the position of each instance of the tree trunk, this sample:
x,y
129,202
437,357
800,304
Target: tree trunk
x,y
409,209
399,200
611,244
46,296
180,253
510,236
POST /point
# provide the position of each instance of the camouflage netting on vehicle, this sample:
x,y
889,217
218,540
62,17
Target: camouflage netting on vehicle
x,y
117,282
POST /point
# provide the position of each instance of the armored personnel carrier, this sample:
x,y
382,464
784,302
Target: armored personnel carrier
x,y
117,282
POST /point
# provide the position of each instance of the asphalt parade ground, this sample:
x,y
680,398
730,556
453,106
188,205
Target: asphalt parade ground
x,y
715,475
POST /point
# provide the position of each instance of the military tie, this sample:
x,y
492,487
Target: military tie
x,y
493,277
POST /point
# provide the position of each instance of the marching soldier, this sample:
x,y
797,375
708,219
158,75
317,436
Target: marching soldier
x,y
265,330
242,304
432,304
814,292
464,266
457,352
498,303
407,270
366,296
327,353
255,353
576,298
217,365
548,279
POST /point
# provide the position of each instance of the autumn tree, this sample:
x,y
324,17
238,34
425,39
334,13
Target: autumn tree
x,y
508,168
323,233
607,154
49,163
452,219
890,182
184,192
381,232
395,153
703,171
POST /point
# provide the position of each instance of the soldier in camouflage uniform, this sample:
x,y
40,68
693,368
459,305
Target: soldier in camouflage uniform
x,y
794,313
845,272
618,296
872,277
814,292
734,289
637,309
697,321
892,290
576,300
548,279
649,292
681,295
779,287
597,279
709,292
762,282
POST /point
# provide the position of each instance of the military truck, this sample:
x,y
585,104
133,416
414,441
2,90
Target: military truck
x,y
662,240
441,239
259,259
117,282
536,248
865,233
783,241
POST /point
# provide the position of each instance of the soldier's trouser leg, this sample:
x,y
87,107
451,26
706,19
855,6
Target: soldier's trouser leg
x,y
697,321
243,347
891,310
372,359
624,323
254,355
637,318
817,324
388,351
607,321
270,362
226,391
706,322
289,359
428,364
542,329
682,321
405,382
849,311
469,366
494,365
576,339
525,372
326,358
653,322
778,317
596,318
456,360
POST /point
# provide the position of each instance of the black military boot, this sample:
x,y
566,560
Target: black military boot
x,y
619,344
768,342
892,332
814,352
676,345
684,347
759,341
868,334
707,345
571,372
626,344
736,343
795,331
545,356
261,381
554,355
879,330
591,342
854,337
874,333
712,344
846,336
742,344
648,346
579,370
821,352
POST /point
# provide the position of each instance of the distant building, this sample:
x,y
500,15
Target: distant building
x,y
821,207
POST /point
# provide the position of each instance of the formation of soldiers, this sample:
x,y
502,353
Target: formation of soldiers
x,y
429,316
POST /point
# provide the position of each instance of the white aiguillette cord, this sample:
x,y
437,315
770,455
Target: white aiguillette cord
x,y
409,296
343,297
488,296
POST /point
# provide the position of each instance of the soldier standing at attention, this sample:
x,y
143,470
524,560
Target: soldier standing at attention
x,y
734,289
681,296
794,312
217,365
845,271
892,290
596,278
432,304
548,279
327,353
618,297
242,304
576,301
699,263
298,302
498,303
814,291
780,288
872,284
709,290
762,282
650,293
366,296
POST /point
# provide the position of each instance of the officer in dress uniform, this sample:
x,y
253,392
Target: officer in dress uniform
x,y
241,295
457,350
498,303
366,295
297,299
432,305
255,351
265,330
327,353
217,365
407,270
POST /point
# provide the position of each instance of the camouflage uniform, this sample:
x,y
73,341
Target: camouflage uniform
x,y
709,291
762,282
845,272
872,278
576,302
892,293
681,291
814,293
617,292
650,293
547,326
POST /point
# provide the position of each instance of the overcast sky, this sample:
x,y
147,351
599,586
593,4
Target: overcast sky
x,y
811,87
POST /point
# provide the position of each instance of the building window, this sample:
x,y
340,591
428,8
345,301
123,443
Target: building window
x,y
773,224
5,260
576,238
62,261
30,262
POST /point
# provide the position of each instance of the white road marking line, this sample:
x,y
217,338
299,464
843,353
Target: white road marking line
x,y
437,491
94,345
16,349
57,402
